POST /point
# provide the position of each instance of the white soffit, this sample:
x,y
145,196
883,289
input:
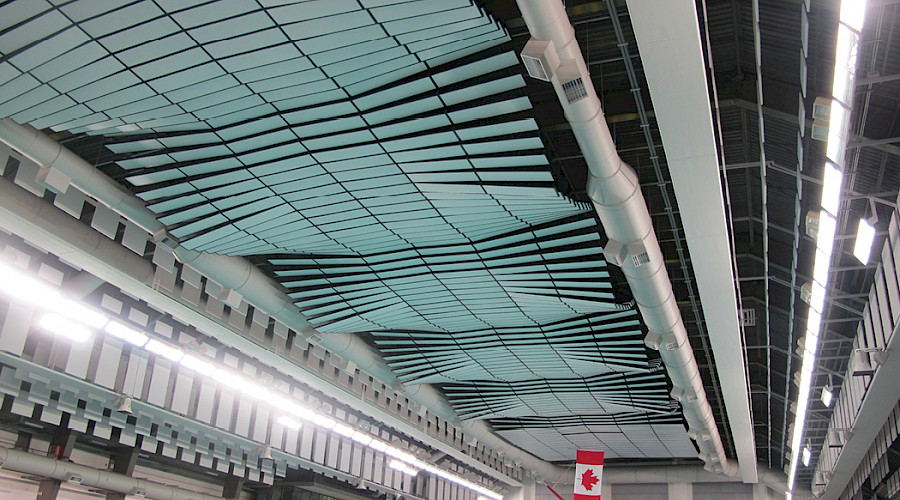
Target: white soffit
x,y
668,38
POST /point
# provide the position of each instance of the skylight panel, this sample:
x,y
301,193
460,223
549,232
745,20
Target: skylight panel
x,y
49,49
484,148
246,43
459,49
434,21
403,110
411,126
490,110
203,14
346,38
420,141
15,37
313,28
464,33
252,21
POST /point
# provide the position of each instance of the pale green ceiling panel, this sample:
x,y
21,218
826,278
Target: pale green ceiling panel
x,y
382,156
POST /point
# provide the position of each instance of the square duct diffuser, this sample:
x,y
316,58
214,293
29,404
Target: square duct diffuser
x,y
540,58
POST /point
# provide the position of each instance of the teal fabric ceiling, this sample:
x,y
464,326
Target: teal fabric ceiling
x,y
380,158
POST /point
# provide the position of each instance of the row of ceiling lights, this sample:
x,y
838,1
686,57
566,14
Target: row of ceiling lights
x,y
852,17
72,319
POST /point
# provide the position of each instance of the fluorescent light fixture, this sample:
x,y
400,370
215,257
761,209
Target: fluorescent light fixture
x,y
343,430
126,333
361,438
323,421
806,456
831,189
788,496
812,343
278,401
240,384
303,413
402,467
197,364
29,289
289,422
65,327
837,133
817,297
399,454
845,65
865,236
827,230
165,350
23,287
79,312
821,267
827,397
853,13
813,322
378,445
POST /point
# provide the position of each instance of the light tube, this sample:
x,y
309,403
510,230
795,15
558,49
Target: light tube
x,y
289,422
126,333
831,189
164,350
197,364
865,236
65,327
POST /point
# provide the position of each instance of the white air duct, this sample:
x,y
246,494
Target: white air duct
x,y
613,186
233,273
62,470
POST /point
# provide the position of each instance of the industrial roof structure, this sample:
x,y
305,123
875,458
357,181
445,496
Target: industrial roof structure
x,y
431,248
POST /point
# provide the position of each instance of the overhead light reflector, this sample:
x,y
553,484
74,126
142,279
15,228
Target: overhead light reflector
x,y
126,333
853,13
164,350
65,327
197,364
289,422
831,189
865,236
827,396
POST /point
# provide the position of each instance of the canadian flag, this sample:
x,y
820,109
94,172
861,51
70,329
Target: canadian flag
x,y
588,473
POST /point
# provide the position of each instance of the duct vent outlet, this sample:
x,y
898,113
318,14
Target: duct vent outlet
x,y
540,59
748,317
72,478
640,259
820,130
575,91
139,492
164,239
535,68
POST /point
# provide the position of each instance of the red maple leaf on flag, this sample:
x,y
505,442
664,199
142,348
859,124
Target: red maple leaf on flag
x,y
588,479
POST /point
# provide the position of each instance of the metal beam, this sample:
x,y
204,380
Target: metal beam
x,y
124,461
61,445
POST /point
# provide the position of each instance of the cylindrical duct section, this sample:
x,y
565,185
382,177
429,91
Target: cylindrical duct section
x,y
615,191
61,470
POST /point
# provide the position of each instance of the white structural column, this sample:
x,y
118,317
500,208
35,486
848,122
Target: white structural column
x,y
605,491
668,38
761,492
525,492
681,491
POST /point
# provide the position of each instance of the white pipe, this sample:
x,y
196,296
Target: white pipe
x,y
240,275
615,191
62,470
